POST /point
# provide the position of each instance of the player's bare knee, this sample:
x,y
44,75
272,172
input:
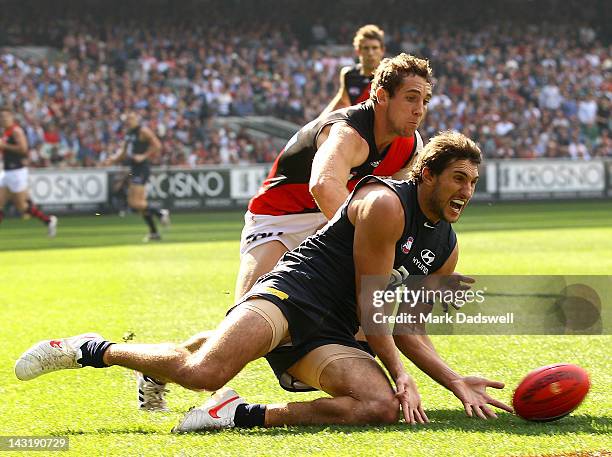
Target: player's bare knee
x,y
192,378
204,376
383,410
214,376
188,379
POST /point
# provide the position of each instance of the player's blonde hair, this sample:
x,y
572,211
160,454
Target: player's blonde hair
x,y
442,150
369,32
392,71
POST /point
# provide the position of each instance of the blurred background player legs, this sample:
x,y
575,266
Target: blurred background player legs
x,y
14,178
25,205
137,200
119,194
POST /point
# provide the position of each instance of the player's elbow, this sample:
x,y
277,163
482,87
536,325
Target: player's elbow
x,y
320,186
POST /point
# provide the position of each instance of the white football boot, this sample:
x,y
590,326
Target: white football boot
x,y
52,227
151,394
165,217
52,355
217,412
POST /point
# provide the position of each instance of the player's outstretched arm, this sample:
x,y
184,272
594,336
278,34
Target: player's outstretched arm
x,y
413,342
342,149
418,347
374,253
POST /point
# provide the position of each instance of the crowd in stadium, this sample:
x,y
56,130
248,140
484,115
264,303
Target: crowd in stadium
x,y
520,90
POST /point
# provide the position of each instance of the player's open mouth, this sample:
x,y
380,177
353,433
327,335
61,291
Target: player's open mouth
x,y
457,205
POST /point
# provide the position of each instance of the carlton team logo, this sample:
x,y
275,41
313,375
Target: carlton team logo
x,y
407,245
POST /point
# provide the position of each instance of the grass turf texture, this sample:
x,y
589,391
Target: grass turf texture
x,y
97,276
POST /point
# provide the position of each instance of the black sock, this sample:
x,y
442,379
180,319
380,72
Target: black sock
x,y
150,222
248,416
92,352
155,212
1,215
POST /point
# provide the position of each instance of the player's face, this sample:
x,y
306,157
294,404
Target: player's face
x,y
6,118
453,189
370,54
132,120
408,106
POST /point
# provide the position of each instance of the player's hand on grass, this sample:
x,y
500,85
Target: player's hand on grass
x,y
457,281
410,400
472,391
452,282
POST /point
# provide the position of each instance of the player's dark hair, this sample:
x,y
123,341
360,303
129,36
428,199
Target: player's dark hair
x,y
442,150
369,32
392,71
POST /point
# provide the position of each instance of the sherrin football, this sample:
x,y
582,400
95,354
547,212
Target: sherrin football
x,y
551,392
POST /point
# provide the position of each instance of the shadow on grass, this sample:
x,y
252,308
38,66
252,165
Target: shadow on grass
x,y
441,420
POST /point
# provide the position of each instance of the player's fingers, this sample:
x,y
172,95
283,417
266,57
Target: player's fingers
x,y
410,414
405,409
499,404
495,384
423,415
464,278
479,412
418,417
468,409
488,411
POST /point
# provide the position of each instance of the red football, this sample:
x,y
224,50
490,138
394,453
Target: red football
x,y
551,392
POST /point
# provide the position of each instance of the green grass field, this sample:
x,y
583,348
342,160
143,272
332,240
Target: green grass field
x,y
98,276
